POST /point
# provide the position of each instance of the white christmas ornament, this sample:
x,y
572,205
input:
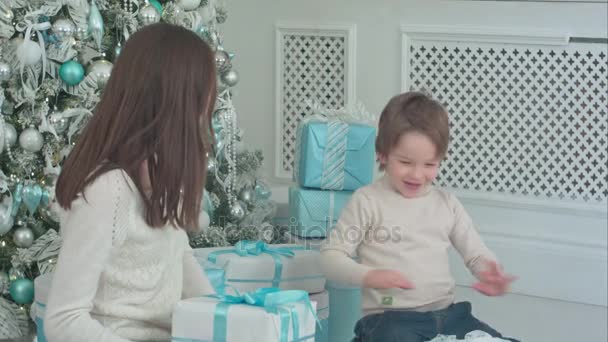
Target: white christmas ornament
x,y
31,140
29,52
203,220
188,5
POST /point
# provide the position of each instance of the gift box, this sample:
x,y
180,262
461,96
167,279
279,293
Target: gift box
x,y
345,306
315,212
216,276
253,264
308,243
322,301
263,315
42,287
334,155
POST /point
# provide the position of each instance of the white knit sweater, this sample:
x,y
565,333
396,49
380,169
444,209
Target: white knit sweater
x,y
117,279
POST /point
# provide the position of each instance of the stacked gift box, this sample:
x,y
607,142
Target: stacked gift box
x,y
262,295
334,157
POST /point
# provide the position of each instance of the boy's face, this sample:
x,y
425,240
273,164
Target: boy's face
x,y
412,164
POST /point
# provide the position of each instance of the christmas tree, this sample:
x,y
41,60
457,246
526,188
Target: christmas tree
x,y
55,59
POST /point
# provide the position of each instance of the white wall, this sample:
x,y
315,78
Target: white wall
x,y
558,254
249,32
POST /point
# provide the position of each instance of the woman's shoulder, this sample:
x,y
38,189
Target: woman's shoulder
x,y
110,184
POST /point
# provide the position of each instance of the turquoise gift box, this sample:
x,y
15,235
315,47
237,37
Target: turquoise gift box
x,y
334,155
314,212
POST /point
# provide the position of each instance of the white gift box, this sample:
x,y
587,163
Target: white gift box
x,y
194,320
250,272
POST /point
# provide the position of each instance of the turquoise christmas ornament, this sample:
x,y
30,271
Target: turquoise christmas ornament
x,y
32,195
262,190
71,72
46,197
22,291
17,198
158,6
96,24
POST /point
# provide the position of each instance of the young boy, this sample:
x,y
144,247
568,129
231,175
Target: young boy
x,y
401,228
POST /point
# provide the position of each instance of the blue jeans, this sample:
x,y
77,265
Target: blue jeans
x,y
410,326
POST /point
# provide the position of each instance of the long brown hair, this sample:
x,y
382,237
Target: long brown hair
x,y
156,107
413,111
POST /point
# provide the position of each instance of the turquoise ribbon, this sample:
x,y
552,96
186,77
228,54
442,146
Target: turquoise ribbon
x,y
273,300
40,324
217,279
334,156
253,248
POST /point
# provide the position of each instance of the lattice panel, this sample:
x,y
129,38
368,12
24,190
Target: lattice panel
x,y
525,120
313,68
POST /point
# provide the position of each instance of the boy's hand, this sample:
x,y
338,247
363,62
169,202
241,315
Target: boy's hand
x,y
493,282
386,279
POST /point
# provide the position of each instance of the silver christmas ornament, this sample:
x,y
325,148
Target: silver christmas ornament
x,y
247,196
188,5
64,28
82,32
230,78
5,71
60,124
149,15
101,71
31,140
23,237
222,60
237,211
10,134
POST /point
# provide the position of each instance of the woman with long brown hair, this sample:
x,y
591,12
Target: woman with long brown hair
x,y
130,190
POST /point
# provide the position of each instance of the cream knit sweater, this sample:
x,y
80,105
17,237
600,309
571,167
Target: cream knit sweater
x,y
411,235
117,279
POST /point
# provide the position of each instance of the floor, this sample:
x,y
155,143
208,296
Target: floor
x,y
534,319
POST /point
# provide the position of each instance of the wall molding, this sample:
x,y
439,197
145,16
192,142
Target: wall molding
x,y
480,34
598,210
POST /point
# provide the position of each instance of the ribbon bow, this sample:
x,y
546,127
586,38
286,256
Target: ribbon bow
x,y
246,248
273,300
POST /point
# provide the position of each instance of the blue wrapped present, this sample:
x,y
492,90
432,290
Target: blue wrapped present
x,y
315,212
322,301
345,306
334,155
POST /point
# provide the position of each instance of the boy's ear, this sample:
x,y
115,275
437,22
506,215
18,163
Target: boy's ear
x,y
381,158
